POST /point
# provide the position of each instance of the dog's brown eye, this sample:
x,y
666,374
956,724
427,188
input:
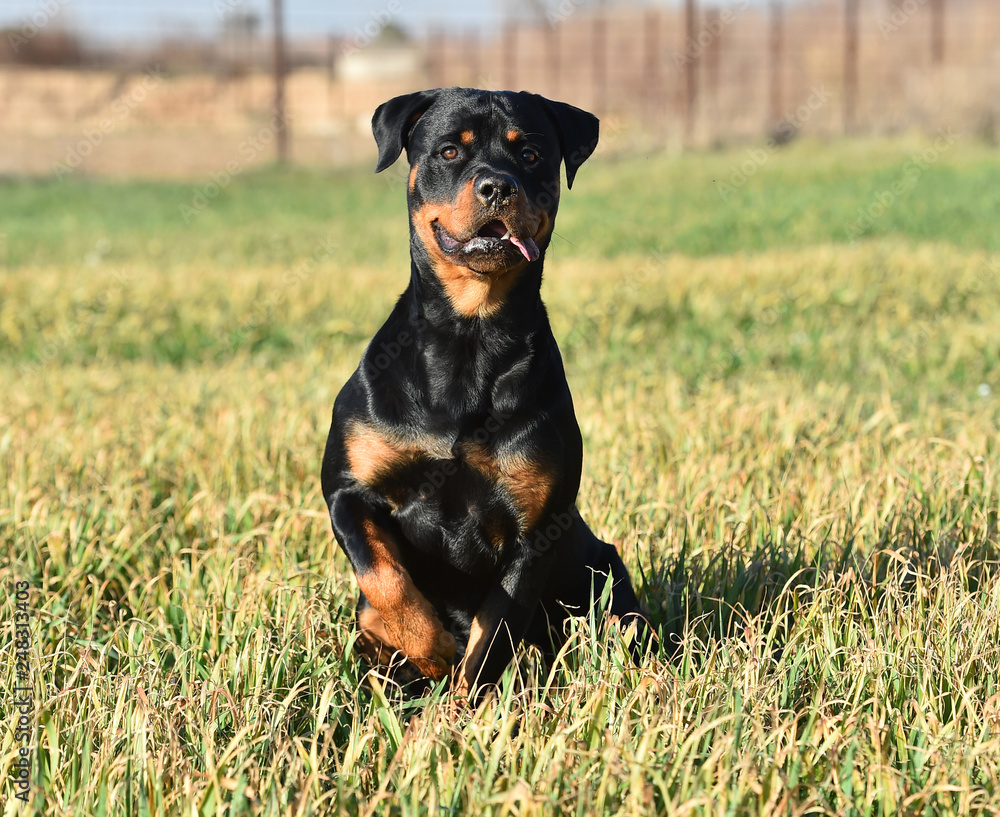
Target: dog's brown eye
x,y
529,156
450,152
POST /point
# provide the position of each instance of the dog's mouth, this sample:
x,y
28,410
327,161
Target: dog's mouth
x,y
493,238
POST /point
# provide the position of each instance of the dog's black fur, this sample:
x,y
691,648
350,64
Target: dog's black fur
x,y
453,462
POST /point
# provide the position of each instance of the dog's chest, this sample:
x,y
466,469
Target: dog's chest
x,y
464,500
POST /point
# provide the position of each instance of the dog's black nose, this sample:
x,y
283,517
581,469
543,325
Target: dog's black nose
x,y
495,189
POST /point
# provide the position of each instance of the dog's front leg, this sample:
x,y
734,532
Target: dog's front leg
x,y
407,617
502,620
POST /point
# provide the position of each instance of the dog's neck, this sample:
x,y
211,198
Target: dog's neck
x,y
478,360
511,302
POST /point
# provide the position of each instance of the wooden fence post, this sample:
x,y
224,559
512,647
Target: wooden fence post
x,y
437,60
599,61
713,57
937,32
508,57
281,137
850,65
553,43
690,68
651,65
474,58
776,48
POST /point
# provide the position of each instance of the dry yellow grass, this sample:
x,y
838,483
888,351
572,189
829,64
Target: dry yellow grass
x,y
819,552
794,439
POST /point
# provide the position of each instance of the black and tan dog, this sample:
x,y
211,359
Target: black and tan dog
x,y
453,463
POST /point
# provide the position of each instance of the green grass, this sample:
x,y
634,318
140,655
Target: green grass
x,y
807,194
793,437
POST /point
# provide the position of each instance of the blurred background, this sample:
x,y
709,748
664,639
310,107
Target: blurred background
x,y
180,88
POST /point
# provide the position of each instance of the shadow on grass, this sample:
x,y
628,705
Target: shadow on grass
x,y
714,599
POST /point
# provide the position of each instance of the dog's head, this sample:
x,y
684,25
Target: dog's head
x,y
483,186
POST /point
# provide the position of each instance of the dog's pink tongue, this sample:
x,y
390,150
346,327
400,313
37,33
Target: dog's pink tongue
x,y
528,247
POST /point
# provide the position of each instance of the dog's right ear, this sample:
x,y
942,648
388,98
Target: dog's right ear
x,y
393,121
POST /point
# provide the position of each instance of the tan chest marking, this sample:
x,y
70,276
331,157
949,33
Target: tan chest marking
x,y
373,453
528,481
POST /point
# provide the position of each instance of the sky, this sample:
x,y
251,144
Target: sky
x,y
116,20
149,19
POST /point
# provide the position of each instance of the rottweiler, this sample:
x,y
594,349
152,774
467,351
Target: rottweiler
x,y
453,462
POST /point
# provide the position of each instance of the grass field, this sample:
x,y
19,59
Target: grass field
x,y
793,437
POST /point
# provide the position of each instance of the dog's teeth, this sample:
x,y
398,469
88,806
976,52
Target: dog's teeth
x,y
505,236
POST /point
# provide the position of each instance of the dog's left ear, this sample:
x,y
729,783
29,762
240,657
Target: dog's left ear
x,y
578,133
392,122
